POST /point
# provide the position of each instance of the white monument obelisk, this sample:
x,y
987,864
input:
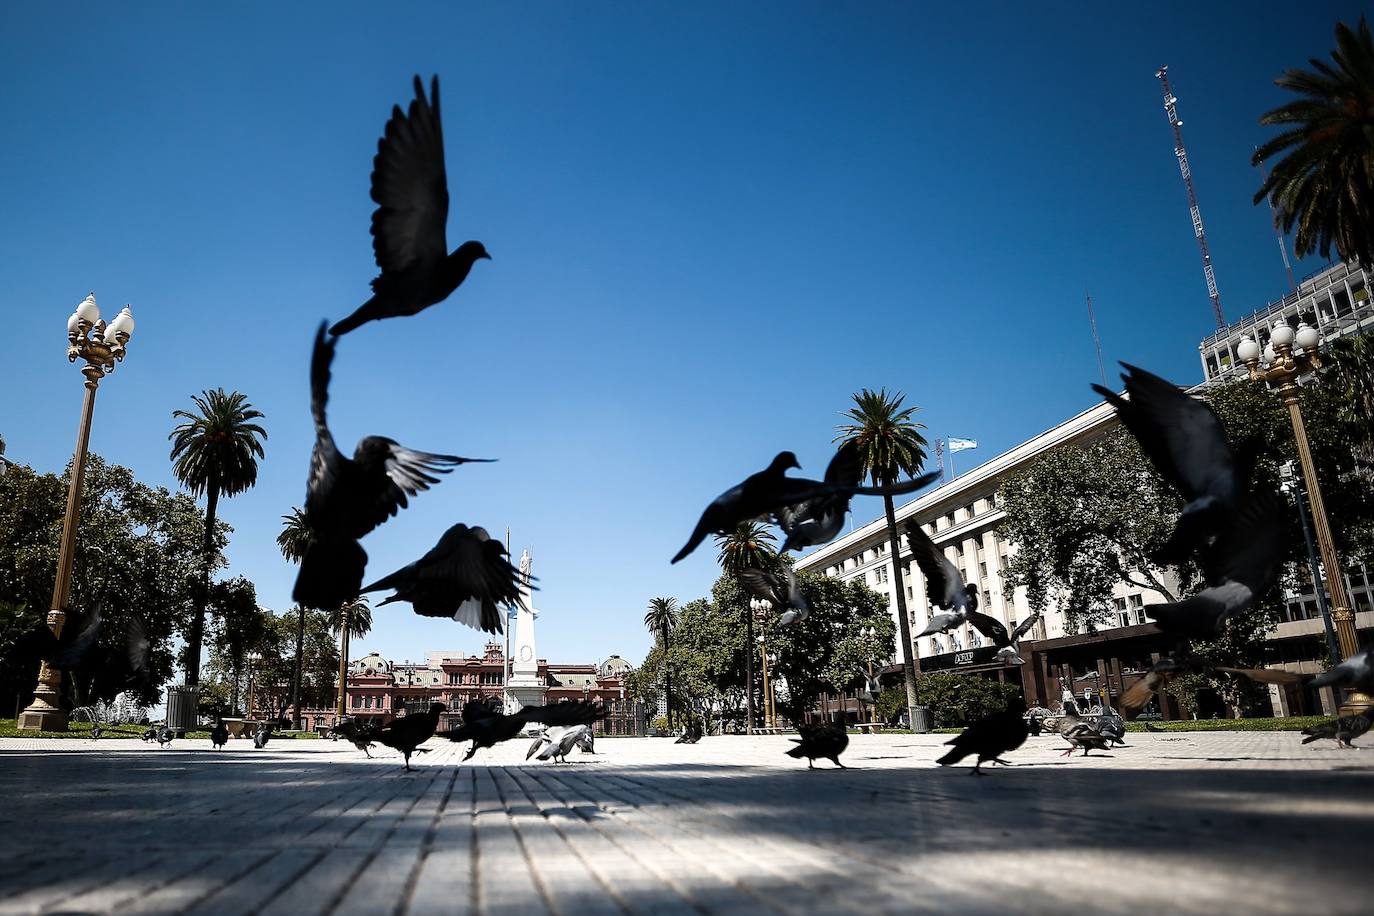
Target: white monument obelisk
x,y
525,687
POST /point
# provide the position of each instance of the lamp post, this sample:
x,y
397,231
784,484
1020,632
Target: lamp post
x,y
89,338
871,633
1282,366
1289,483
769,719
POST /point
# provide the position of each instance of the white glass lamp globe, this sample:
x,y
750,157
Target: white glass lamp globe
x,y
74,324
1247,349
88,311
1282,336
1307,337
1269,354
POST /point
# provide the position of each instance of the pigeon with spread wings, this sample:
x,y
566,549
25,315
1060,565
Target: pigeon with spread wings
x,y
486,727
346,498
945,587
817,520
466,576
1185,441
782,592
409,226
1005,642
1167,669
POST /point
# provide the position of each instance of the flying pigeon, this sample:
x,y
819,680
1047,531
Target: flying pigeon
x,y
827,740
1355,673
485,727
1342,730
348,497
990,737
1185,441
817,520
781,592
770,490
993,629
945,587
1164,671
410,731
465,576
1240,566
410,188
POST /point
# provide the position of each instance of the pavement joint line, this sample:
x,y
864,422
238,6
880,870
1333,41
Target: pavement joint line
x,y
539,882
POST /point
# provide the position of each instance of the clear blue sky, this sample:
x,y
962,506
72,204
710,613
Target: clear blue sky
x,y
710,224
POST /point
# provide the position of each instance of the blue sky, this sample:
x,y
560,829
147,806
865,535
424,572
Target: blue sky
x,y
710,224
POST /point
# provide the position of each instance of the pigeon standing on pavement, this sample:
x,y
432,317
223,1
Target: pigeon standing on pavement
x,y
990,737
1184,439
1080,734
409,226
827,741
782,592
466,577
346,498
410,731
219,735
486,728
361,735
691,733
1342,730
556,742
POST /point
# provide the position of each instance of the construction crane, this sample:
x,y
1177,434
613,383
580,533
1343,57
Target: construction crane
x,y
1278,233
1169,102
1097,341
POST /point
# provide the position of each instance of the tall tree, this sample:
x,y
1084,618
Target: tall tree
x,y
661,620
352,618
215,453
749,546
890,446
292,540
1324,184
1349,371
241,625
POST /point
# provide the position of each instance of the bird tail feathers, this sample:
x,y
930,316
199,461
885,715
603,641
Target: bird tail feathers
x,y
330,574
953,756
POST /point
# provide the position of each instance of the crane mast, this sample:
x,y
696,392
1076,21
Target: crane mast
x,y
1170,101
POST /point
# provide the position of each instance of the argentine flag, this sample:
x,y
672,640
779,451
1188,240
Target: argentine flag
x,y
959,445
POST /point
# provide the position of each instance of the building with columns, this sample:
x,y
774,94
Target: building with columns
x,y
962,516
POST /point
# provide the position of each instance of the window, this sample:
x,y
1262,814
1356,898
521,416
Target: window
x,y
910,596
356,701
1122,618
987,597
880,574
955,642
453,678
367,702
1137,606
983,570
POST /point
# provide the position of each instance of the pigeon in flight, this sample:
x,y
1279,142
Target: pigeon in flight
x,y
992,628
990,737
1239,566
827,740
99,673
1355,673
361,735
485,727
1186,443
782,592
760,495
348,497
1167,669
465,576
945,587
410,731
410,188
817,520
1342,730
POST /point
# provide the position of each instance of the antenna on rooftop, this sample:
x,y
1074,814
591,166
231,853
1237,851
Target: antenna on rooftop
x,y
1278,233
1177,124
1097,341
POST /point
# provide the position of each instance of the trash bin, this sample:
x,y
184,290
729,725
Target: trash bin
x,y
922,724
181,709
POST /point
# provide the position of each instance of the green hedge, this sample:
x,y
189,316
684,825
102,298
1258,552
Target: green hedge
x,y
1287,724
82,731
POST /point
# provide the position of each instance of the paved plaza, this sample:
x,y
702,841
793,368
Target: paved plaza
x,y
1202,822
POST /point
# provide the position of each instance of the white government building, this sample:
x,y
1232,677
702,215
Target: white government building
x,y
962,516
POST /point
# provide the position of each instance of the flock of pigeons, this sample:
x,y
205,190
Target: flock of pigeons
x,y
1235,529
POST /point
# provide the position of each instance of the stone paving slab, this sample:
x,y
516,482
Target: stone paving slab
x,y
1209,823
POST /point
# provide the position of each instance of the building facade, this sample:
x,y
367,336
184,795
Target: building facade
x,y
962,517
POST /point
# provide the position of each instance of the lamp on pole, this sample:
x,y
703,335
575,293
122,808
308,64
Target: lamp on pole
x,y
761,609
1281,366
871,633
101,345
1289,483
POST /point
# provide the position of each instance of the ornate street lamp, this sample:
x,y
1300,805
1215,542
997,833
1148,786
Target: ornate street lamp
x,y
101,346
1289,355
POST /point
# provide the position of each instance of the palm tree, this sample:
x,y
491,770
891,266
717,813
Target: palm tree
x,y
747,547
661,621
353,618
890,446
292,540
1325,182
215,452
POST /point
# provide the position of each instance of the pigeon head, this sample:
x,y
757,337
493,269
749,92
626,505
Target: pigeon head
x,y
473,251
437,707
783,461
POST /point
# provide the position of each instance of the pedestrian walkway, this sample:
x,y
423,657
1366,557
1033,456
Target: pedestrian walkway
x,y
1198,823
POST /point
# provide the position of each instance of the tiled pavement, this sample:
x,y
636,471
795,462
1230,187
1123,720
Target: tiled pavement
x,y
1205,823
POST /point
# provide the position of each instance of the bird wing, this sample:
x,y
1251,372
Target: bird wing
x,y
990,627
1180,434
74,652
944,585
539,741
576,712
394,473
1250,549
138,649
846,467
466,575
410,187
325,459
1266,675
1025,626
761,584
